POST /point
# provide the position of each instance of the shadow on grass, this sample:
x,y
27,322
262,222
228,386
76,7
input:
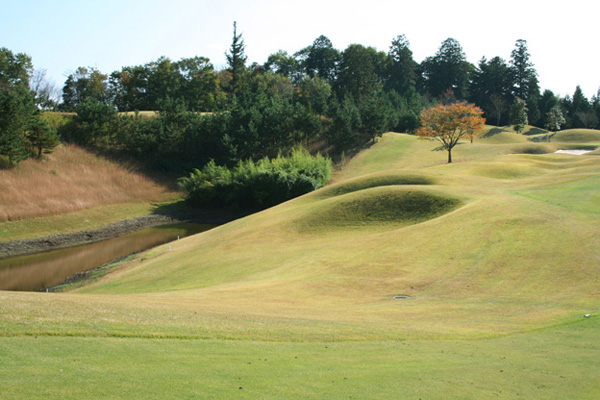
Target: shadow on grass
x,y
181,210
492,132
163,177
534,131
442,148
542,138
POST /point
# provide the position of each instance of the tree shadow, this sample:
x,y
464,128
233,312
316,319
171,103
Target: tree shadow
x,y
492,132
542,138
442,148
181,211
534,131
145,168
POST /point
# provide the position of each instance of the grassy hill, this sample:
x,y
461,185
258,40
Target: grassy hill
x,y
73,189
498,255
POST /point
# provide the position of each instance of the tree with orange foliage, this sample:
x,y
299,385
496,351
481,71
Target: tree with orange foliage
x,y
449,123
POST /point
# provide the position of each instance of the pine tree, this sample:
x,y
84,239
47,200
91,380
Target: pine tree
x,y
42,138
448,69
402,70
236,59
524,75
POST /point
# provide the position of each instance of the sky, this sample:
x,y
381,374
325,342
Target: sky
x,y
62,35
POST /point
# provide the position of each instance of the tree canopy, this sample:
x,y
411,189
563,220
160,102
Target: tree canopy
x,y
23,132
449,123
448,69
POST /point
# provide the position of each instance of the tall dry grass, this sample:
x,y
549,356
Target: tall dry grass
x,y
71,179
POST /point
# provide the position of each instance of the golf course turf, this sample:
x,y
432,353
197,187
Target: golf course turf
x,y
498,253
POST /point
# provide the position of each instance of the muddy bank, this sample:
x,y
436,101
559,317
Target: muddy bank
x,y
31,246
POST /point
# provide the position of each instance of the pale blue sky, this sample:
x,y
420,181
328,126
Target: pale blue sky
x,y
64,34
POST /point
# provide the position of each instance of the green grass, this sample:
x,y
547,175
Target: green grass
x,y
375,180
557,363
498,252
84,220
581,194
383,205
577,136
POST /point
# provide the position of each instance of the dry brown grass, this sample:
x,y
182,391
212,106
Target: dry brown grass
x,y
71,179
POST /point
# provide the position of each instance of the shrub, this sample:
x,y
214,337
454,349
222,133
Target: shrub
x,y
256,185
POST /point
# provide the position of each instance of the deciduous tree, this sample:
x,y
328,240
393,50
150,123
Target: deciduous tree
x,y
554,119
84,83
449,123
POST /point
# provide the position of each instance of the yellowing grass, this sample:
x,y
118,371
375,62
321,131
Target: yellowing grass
x,y
489,247
511,265
68,180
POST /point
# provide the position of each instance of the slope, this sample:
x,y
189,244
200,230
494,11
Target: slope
x,y
476,252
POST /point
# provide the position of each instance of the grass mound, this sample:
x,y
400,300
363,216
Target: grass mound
x,y
375,180
499,135
577,136
503,292
381,205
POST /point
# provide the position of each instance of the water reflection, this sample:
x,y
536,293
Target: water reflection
x,y
41,271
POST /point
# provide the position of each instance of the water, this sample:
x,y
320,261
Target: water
x,y
44,270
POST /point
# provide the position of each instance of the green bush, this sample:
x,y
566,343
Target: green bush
x,y
256,185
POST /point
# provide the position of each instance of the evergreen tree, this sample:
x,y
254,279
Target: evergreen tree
x,y
322,59
518,114
547,102
524,75
525,81
491,87
357,77
448,69
580,112
236,59
18,111
402,68
42,138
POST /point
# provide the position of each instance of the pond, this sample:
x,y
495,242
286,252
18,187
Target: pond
x,y
44,270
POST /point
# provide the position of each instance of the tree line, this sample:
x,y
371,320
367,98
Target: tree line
x,y
317,94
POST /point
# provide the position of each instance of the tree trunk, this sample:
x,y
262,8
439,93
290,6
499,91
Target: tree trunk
x,y
449,156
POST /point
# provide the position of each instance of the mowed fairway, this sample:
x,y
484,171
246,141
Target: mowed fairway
x,y
498,255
